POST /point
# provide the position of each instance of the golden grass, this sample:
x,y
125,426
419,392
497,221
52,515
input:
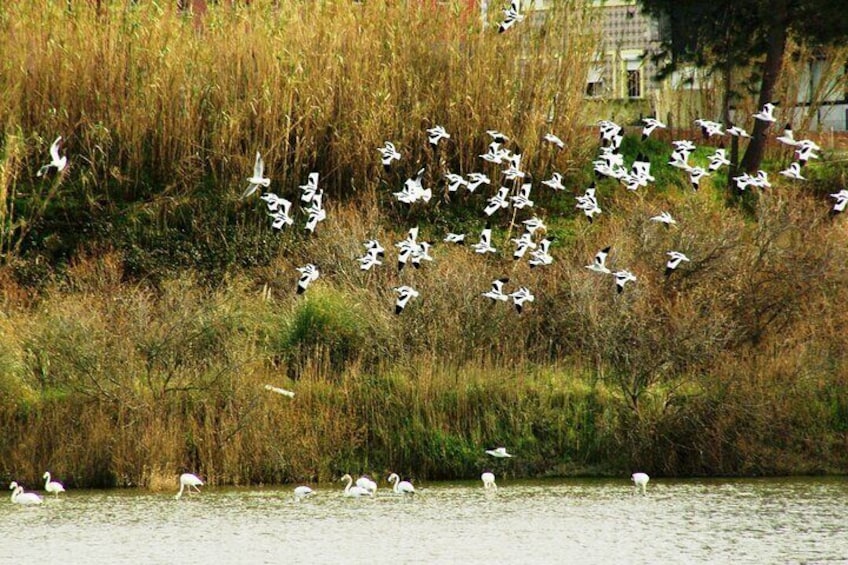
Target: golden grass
x,y
141,92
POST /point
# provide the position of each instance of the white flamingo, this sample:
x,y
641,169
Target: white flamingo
x,y
303,491
21,497
400,487
52,486
365,482
640,480
353,491
190,481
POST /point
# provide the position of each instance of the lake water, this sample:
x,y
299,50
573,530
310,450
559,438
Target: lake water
x,y
553,521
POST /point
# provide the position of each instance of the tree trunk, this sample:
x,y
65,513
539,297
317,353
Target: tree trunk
x,y
727,77
777,22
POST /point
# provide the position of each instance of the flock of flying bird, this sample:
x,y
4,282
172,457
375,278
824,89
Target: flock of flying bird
x,y
532,242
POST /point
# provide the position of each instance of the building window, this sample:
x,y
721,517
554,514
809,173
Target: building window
x,y
634,83
594,88
595,81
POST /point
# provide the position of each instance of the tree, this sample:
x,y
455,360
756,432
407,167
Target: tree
x,y
725,34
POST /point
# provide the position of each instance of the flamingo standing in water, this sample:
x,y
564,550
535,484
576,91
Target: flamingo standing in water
x,y
21,497
52,486
190,481
353,491
401,487
640,480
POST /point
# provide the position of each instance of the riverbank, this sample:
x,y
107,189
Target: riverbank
x,y
115,384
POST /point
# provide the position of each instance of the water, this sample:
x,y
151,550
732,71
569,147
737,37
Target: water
x,y
562,521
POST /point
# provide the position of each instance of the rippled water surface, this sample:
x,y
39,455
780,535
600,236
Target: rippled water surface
x,y
563,521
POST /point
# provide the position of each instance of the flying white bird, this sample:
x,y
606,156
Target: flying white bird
x,y
497,293
475,180
497,136
485,243
534,224
743,181
455,181
310,188
421,253
520,296
388,154
316,213
805,152
413,190
281,216
541,256
56,161
841,198
522,199
497,202
664,218
405,294
793,171
367,261
717,160
514,170
676,258
436,134
555,182
736,131
709,128
511,16
272,201
641,168
622,278
280,391
588,203
766,114
650,125
599,264
551,138
407,247
787,138
499,452
308,274
695,176
495,154
257,180
522,244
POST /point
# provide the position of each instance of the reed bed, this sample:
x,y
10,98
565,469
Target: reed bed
x,y
728,367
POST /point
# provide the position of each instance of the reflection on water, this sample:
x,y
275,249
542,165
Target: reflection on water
x,y
568,521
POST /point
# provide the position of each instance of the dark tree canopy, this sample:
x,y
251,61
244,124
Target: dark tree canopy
x,y
724,34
